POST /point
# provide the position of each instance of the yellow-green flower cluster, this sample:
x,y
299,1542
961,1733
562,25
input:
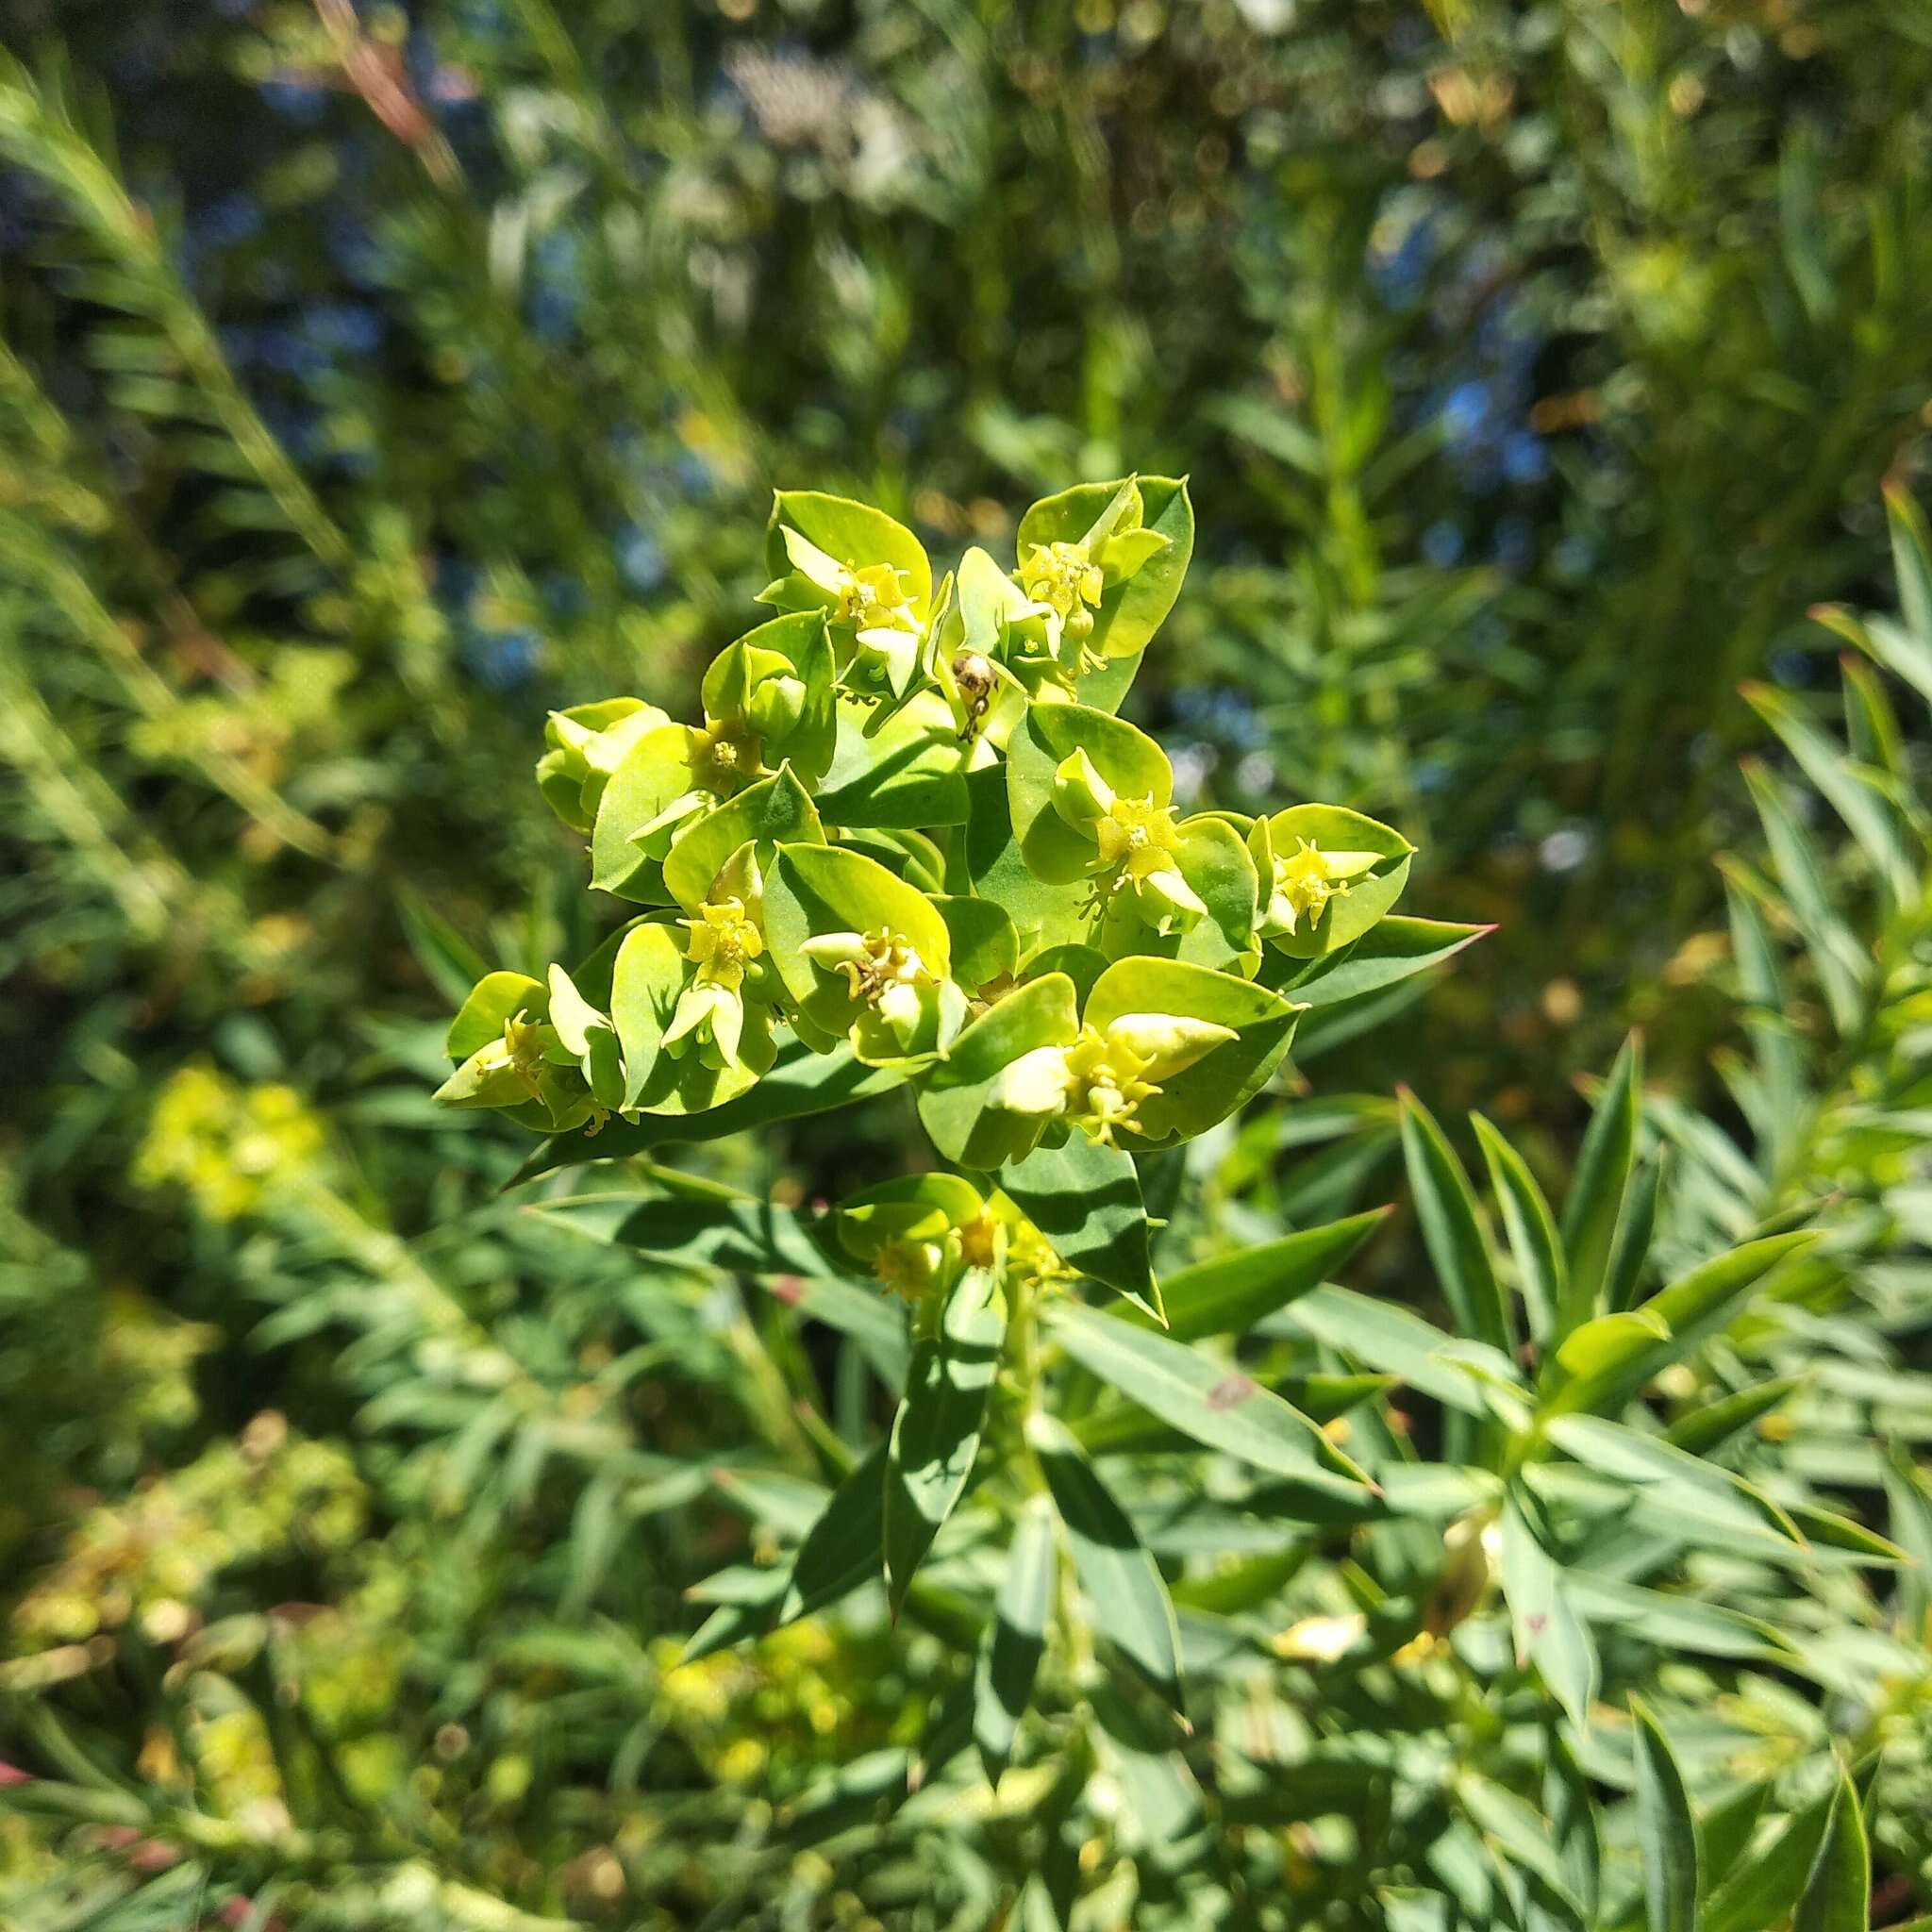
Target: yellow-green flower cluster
x,y
911,829
228,1145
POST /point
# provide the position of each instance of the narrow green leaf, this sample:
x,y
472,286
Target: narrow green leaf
x,y
1711,1426
1230,1293
876,1324
1671,1620
1015,1639
1666,1832
800,1084
1516,1830
1911,559
1909,1511
1765,1005
1700,1500
1630,1245
1531,1230
1840,961
841,1552
1606,1361
1868,815
1125,1428
1762,1891
935,1434
1208,1400
1838,1895
1121,1584
1392,950
1594,1201
1395,1341
1543,1620
1725,1834
750,1237
1452,1229
1828,1530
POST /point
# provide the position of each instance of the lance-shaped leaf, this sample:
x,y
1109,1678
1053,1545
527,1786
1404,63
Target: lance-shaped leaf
x,y
1391,1339
801,1083
1760,1892
1119,1428
1452,1229
1702,1501
1015,1639
1666,1832
1673,1621
935,1435
1086,1200
1230,1294
1518,1831
1596,1189
1712,1425
841,1553
736,1232
1392,950
1604,1362
1868,815
1210,1401
1531,1230
1121,1581
1544,1618
1132,610
1629,1255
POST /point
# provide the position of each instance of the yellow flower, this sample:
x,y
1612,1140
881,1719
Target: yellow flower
x,y
725,939
910,1268
1305,880
1135,842
1066,580
1099,1082
883,971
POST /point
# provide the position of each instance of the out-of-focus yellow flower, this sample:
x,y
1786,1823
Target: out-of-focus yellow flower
x,y
227,1144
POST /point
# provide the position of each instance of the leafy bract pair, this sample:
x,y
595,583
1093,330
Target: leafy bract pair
x,y
910,828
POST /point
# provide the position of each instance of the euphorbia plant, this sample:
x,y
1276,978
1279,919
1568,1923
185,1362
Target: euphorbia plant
x,y
911,843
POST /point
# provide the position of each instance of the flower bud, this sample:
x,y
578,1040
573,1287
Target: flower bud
x,y
1080,794
832,950
586,744
1472,1548
1167,899
1166,1043
1036,1084
710,1018
775,705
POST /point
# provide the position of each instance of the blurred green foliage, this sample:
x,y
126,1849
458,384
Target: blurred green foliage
x,y
372,381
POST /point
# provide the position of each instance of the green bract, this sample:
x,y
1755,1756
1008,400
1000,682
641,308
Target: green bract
x,y
909,828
